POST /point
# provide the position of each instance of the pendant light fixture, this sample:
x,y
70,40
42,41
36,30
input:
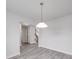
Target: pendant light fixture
x,y
42,24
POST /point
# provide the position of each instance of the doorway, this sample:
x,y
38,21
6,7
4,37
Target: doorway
x,y
29,35
24,35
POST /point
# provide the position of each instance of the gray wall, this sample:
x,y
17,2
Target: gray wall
x,y
58,35
31,34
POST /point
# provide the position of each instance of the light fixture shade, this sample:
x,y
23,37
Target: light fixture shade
x,y
41,25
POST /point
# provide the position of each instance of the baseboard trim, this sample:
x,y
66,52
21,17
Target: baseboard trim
x,y
13,55
57,50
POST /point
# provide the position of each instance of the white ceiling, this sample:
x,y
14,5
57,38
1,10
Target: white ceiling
x,y
31,8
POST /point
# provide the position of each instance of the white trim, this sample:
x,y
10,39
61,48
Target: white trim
x,y
65,52
13,55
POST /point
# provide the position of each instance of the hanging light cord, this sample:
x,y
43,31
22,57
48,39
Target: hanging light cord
x,y
41,11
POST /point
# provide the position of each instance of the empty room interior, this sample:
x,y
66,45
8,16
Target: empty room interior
x,y
38,29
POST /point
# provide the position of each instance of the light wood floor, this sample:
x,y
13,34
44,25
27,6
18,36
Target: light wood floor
x,y
34,52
